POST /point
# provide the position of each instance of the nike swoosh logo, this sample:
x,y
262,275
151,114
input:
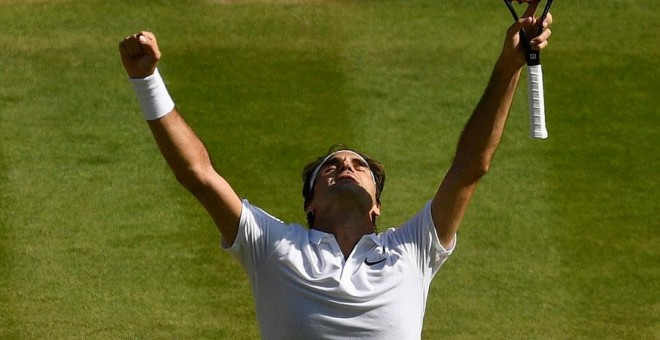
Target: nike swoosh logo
x,y
368,263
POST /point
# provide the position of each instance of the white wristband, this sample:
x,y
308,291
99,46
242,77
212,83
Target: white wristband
x,y
153,96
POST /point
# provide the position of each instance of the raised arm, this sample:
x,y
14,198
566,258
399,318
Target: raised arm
x,y
483,131
179,145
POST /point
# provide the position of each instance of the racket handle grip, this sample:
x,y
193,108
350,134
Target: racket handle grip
x,y
536,102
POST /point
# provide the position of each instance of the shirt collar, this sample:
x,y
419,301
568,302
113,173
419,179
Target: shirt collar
x,y
373,238
316,236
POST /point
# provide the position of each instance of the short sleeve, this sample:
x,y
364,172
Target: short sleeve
x,y
419,240
258,234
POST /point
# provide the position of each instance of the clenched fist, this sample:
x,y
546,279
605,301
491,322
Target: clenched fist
x,y
139,54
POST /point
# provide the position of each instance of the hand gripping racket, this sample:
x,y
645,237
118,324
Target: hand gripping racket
x,y
534,77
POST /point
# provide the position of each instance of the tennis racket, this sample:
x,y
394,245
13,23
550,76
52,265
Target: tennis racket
x,y
534,77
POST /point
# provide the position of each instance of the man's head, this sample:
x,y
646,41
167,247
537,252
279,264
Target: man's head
x,y
342,164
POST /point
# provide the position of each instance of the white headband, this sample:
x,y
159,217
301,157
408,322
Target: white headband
x,y
318,168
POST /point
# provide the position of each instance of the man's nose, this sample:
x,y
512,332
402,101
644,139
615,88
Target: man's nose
x,y
346,164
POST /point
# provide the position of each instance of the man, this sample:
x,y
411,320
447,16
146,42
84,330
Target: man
x,y
339,279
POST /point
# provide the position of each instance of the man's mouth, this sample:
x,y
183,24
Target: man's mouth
x,y
346,178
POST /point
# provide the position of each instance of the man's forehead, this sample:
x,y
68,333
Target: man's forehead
x,y
341,156
346,154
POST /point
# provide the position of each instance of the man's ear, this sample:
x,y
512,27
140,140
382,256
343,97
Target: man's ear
x,y
375,211
309,207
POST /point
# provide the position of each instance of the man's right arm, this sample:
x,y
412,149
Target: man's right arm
x,y
182,149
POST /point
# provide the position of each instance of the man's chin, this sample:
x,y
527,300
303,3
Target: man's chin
x,y
350,190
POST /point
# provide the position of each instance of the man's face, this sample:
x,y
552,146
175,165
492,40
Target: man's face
x,y
345,170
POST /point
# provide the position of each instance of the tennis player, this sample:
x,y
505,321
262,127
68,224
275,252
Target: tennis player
x,y
339,278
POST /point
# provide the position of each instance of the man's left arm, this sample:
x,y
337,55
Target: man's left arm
x,y
483,131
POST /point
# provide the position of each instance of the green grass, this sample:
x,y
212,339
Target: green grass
x,y
97,240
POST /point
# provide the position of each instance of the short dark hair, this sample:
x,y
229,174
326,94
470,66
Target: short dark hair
x,y
308,191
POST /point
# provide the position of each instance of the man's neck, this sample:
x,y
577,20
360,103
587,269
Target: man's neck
x,y
346,223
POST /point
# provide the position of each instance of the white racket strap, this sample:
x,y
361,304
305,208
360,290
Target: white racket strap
x,y
536,102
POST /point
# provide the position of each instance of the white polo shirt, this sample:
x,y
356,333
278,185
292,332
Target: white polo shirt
x,y
304,289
